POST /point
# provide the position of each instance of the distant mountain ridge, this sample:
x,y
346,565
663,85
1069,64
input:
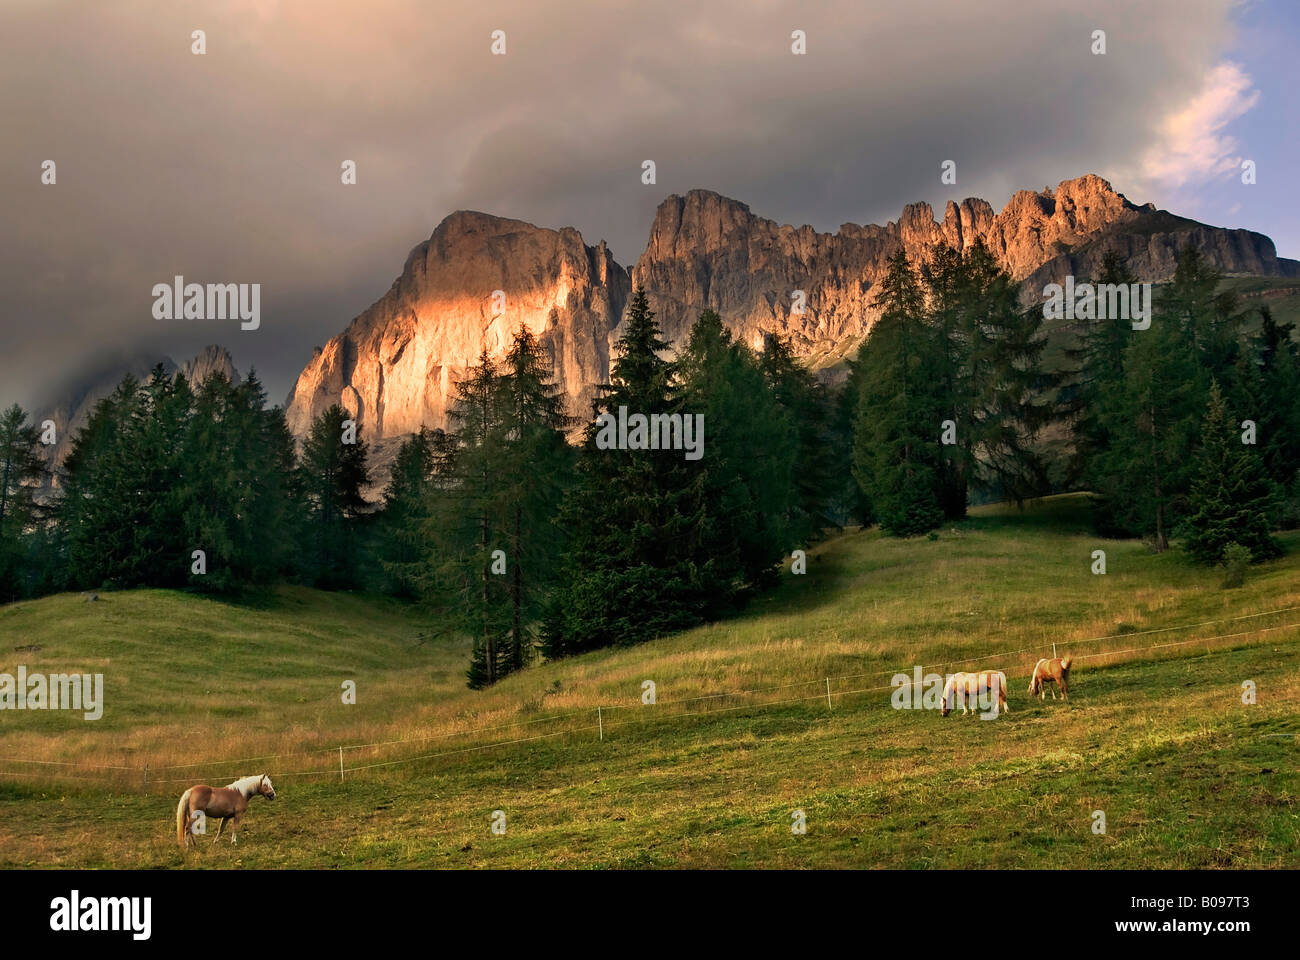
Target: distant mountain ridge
x,y
72,404
394,366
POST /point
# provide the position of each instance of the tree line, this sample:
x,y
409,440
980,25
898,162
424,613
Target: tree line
x,y
533,535
1186,428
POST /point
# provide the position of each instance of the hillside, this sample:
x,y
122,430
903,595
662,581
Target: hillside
x,y
1157,737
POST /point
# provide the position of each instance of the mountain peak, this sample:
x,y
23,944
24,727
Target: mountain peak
x,y
211,359
464,222
395,365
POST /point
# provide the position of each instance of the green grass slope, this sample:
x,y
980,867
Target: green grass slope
x,y
741,735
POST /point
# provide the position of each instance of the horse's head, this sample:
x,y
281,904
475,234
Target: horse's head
x,y
949,694
265,788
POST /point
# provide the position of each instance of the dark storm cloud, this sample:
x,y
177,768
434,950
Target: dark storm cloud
x,y
225,167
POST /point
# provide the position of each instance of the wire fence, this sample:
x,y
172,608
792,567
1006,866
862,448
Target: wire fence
x,y
830,689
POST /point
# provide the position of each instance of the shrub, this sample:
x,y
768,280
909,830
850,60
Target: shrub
x,y
1236,559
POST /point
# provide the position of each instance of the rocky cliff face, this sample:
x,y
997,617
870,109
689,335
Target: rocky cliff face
x,y
395,366
708,251
211,359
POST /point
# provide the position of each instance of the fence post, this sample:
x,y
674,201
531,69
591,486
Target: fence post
x,y
1053,650
144,784
600,721
828,694
340,764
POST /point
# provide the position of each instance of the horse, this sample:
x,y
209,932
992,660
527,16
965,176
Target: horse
x,y
1051,671
966,687
226,803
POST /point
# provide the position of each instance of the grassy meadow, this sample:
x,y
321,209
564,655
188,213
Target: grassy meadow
x,y
741,735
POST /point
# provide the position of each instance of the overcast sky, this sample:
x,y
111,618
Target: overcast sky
x,y
225,167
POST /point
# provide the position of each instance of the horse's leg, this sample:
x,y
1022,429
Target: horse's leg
x,y
234,827
221,826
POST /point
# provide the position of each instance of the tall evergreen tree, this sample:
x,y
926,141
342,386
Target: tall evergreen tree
x,y
90,531
21,470
1231,492
1099,360
466,577
406,511
949,287
238,485
1142,480
848,500
748,469
637,517
535,464
332,473
161,470
1274,404
989,374
1140,407
121,510
897,436
808,405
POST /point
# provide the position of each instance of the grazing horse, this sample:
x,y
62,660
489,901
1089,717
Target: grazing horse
x,y
224,803
965,688
1051,671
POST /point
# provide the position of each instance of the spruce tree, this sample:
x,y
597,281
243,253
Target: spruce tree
x,y
637,517
22,467
848,500
535,464
951,319
1231,494
466,576
238,486
332,473
86,510
897,435
121,511
1274,401
999,387
808,405
748,465
1099,359
405,512
1152,419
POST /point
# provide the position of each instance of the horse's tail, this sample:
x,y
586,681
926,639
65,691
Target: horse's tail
x,y
182,816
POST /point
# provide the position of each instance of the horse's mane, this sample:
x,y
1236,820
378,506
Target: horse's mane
x,y
246,784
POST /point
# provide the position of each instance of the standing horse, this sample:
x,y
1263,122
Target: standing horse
x,y
966,688
1051,671
224,803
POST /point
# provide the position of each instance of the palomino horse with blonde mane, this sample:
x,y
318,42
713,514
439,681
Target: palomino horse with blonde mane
x,y
1051,671
224,803
964,688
